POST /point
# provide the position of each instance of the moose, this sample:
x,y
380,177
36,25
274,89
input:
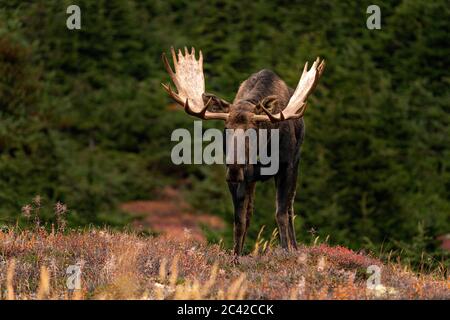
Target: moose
x,y
263,101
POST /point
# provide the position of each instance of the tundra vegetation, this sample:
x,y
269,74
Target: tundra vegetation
x,y
34,264
83,120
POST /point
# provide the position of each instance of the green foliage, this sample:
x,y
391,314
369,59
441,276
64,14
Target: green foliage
x,y
83,118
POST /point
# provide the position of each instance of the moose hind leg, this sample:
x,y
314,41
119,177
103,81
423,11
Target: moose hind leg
x,y
282,216
282,221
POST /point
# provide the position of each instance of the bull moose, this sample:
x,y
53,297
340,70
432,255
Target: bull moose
x,y
262,101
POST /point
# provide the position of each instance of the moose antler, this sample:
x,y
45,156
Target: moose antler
x,y
297,104
190,83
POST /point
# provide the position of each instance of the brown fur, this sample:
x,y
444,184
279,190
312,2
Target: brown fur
x,y
242,178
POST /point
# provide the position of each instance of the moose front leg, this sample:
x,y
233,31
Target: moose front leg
x,y
250,195
241,199
286,184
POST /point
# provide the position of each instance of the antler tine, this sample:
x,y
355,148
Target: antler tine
x,y
208,103
319,72
316,62
174,96
271,116
305,68
267,112
167,65
200,58
201,114
174,58
169,68
321,67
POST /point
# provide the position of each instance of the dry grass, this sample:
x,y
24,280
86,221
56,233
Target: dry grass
x,y
117,265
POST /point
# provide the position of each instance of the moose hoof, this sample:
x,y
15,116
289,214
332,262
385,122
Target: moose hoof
x,y
235,260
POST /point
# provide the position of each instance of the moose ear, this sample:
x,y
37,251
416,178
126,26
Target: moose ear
x,y
216,104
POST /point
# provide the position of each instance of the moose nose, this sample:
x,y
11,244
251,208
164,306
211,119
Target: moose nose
x,y
235,174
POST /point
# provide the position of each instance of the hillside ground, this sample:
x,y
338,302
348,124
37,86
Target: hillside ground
x,y
120,265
